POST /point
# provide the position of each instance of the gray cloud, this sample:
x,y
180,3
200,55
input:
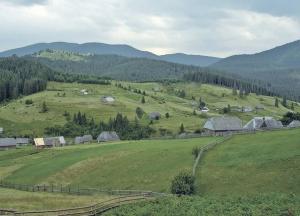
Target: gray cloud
x,y
25,2
208,27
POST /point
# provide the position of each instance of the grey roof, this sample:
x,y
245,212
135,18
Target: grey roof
x,y
154,115
4,142
52,141
223,123
87,138
294,124
22,140
78,140
263,122
108,136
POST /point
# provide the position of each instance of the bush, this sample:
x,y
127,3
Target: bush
x,y
195,151
183,184
28,101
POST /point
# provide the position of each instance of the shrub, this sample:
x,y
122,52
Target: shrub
x,y
28,101
183,184
167,115
195,151
139,112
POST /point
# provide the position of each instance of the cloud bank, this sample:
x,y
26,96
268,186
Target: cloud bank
x,y
191,26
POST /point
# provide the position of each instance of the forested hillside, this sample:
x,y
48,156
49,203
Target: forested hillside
x,y
279,66
21,77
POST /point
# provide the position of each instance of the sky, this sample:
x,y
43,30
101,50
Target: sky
x,y
207,27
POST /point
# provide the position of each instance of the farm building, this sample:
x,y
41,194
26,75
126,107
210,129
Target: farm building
x,y
107,99
223,124
49,142
7,143
83,139
154,116
106,136
22,141
259,107
294,124
263,123
1,130
204,109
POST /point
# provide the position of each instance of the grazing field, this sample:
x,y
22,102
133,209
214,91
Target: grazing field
x,y
28,201
250,164
144,165
258,205
17,118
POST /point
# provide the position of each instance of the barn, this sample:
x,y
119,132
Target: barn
x,y
222,125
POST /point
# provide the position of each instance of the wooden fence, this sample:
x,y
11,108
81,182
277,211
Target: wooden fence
x,y
123,197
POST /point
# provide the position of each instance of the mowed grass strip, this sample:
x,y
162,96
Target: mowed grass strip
x,y
144,165
34,201
254,163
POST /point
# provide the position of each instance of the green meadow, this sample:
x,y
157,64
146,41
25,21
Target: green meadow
x,y
17,118
144,165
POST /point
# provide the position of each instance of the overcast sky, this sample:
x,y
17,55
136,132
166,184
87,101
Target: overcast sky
x,y
207,27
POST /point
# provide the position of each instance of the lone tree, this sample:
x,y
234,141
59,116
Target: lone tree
x,y
276,102
181,129
292,106
143,100
44,107
284,102
183,184
139,112
167,115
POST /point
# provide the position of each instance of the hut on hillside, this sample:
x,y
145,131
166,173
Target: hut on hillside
x,y
107,99
260,123
78,140
49,142
7,143
22,141
106,136
294,124
222,125
87,138
154,116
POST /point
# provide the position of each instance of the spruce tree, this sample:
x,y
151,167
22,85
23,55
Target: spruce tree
x,y
181,129
276,102
143,100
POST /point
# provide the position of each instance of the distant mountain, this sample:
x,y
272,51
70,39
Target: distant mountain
x,y
279,66
110,49
197,60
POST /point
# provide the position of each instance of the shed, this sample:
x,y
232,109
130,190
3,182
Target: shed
x,y
107,99
78,140
87,138
204,109
263,123
106,136
7,143
39,142
22,141
294,124
154,116
223,124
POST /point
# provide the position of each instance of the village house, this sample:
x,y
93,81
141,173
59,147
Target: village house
x,y
49,142
259,123
107,99
106,136
154,116
7,143
83,139
294,124
22,141
222,125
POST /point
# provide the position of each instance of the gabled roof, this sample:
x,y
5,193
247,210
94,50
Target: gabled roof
x,y
87,138
294,124
4,142
78,140
263,122
224,123
108,136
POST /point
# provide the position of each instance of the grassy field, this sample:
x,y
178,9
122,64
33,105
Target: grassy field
x,y
251,164
145,165
27,201
17,118
258,205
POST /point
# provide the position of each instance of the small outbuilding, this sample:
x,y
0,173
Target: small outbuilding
x,y
1,130
7,143
154,116
294,124
49,142
87,138
223,124
22,141
259,123
107,136
204,109
78,140
107,99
